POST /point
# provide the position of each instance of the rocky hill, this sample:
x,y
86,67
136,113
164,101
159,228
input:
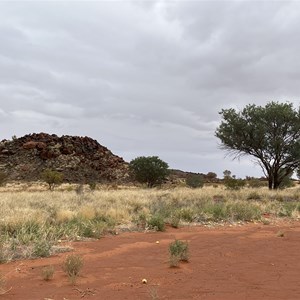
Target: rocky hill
x,y
80,159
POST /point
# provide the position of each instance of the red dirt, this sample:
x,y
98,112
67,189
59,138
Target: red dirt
x,y
248,262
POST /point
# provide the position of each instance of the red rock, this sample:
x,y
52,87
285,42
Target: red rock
x,y
30,145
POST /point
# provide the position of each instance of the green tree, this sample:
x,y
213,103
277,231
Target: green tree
x,y
150,170
271,134
52,178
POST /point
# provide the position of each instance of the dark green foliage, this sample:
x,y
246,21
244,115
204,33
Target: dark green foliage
x,y
234,184
150,170
271,134
52,178
286,181
194,181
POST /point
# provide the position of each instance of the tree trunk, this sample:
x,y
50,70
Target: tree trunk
x,y
277,180
270,181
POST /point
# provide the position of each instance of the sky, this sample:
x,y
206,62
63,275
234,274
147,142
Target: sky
x,y
143,77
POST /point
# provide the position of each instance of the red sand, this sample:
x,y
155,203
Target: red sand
x,y
248,262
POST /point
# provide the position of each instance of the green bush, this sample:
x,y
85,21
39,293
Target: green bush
x,y
194,181
52,178
178,251
150,170
157,222
244,211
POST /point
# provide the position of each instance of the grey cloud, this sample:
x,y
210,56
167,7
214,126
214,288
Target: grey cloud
x,y
145,77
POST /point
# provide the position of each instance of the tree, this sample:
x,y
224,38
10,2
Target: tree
x,y
150,170
271,134
52,178
227,174
211,176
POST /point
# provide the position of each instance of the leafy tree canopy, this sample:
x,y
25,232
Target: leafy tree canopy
x,y
150,170
271,134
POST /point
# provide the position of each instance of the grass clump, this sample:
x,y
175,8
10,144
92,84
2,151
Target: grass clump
x,y
72,266
47,273
178,251
42,248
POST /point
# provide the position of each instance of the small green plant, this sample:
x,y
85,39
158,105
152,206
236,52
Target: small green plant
x,y
194,181
52,178
41,248
47,273
175,219
187,214
157,222
178,251
72,266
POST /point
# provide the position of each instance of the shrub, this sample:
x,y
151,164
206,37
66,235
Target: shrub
x,y
187,214
194,181
41,248
52,178
157,222
175,219
178,251
47,273
244,211
256,183
234,184
150,170
72,266
253,196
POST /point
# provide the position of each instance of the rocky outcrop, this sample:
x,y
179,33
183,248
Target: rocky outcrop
x,y
80,159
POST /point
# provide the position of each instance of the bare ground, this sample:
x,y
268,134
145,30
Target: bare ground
x,y
247,262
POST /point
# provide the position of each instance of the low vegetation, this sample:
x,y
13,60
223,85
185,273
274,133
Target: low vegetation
x,y
34,222
47,273
72,266
178,251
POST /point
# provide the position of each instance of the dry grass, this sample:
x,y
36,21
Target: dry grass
x,y
31,212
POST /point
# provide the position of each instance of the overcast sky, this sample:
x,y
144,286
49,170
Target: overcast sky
x,y
146,77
